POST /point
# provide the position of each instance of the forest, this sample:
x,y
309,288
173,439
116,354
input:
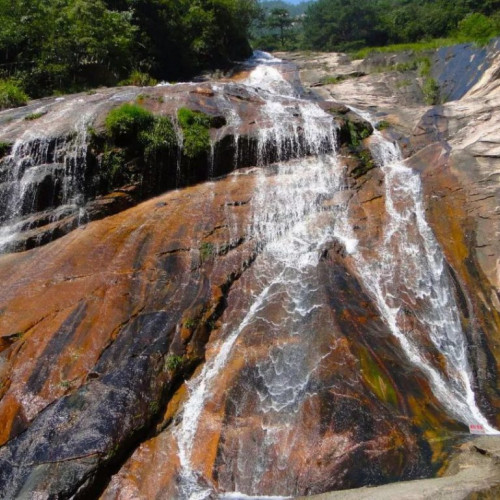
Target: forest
x,y
49,46
349,25
59,46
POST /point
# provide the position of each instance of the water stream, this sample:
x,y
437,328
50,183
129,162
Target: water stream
x,y
407,276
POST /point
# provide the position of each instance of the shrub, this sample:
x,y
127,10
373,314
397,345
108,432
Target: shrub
x,y
11,95
477,27
430,90
195,130
126,122
159,138
113,164
139,79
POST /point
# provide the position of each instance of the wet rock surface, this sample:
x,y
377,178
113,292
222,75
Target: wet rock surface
x,y
106,332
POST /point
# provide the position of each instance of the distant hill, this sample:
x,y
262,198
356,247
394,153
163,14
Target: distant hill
x,y
295,8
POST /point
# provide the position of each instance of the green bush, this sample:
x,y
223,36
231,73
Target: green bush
x,y
195,130
139,79
430,90
477,27
127,122
113,164
11,95
158,138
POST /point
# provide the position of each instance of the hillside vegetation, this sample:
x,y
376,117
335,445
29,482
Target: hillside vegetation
x,y
350,25
50,46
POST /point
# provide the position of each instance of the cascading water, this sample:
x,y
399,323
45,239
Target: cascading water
x,y
407,273
408,278
282,221
42,173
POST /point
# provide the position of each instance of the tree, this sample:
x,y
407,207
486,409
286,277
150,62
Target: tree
x,y
280,19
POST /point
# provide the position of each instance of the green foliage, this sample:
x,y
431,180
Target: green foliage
x,y
207,250
358,132
127,121
382,125
35,116
478,27
195,130
68,45
404,47
430,89
139,79
173,362
366,163
113,165
158,139
331,80
11,95
133,136
349,25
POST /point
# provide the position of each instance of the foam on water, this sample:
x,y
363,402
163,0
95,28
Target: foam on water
x,y
410,263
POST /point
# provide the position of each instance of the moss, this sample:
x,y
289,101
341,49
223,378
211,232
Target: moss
x,y
159,138
35,116
331,80
382,125
190,323
358,131
124,124
173,362
366,164
11,95
195,130
377,380
206,250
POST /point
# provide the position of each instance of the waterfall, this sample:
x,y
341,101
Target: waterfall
x,y
283,214
408,274
42,173
408,263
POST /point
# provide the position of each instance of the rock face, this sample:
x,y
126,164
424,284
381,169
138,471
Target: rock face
x,y
473,472
288,328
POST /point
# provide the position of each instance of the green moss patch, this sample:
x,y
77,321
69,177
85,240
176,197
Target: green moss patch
x,y
195,130
127,122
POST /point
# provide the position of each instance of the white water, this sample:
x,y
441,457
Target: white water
x,y
282,224
408,273
30,161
